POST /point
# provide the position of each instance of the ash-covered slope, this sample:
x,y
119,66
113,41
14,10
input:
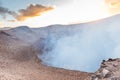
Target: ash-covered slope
x,y
19,63
18,59
20,47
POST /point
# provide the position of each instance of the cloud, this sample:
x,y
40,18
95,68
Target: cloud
x,y
4,11
114,6
31,11
23,14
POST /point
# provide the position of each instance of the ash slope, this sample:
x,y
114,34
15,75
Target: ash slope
x,y
18,59
21,46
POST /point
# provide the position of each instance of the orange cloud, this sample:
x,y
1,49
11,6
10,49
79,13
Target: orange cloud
x,y
114,6
31,11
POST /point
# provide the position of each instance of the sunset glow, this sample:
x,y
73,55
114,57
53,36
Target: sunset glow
x,y
77,11
114,6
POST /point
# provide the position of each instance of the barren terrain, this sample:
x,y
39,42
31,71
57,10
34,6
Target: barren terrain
x,y
18,61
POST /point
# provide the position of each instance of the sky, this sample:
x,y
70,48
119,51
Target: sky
x,y
39,13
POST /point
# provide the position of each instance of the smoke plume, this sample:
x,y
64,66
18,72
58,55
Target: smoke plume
x,y
86,46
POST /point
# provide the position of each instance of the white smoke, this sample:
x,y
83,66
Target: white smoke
x,y
86,48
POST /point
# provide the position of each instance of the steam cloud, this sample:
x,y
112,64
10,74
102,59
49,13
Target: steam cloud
x,y
85,49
